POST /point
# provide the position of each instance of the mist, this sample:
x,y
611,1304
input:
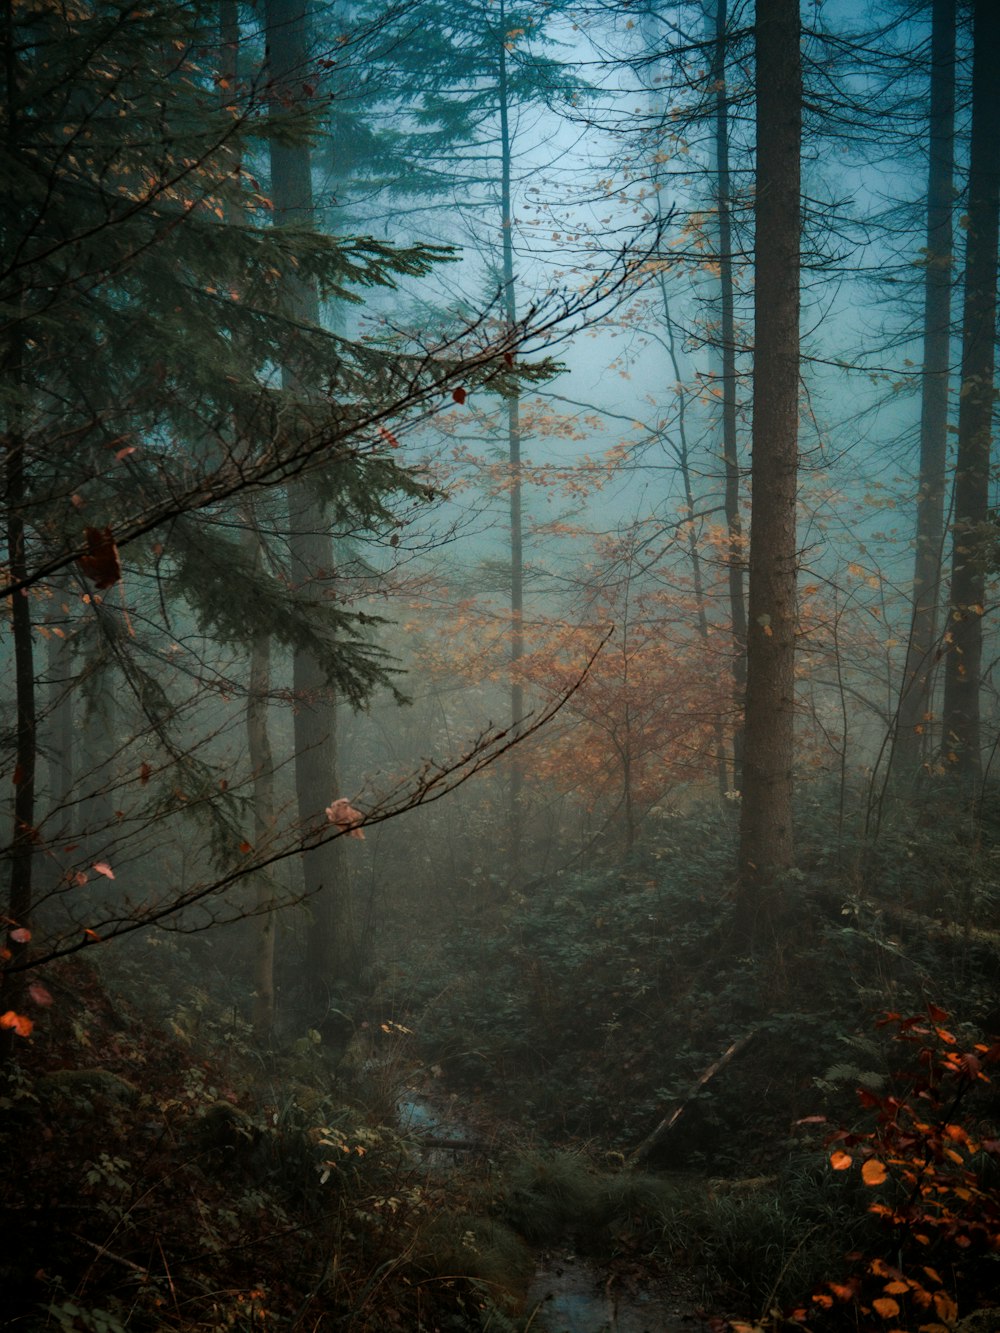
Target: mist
x,y
500,550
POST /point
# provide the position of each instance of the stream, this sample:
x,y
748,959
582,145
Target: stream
x,y
569,1293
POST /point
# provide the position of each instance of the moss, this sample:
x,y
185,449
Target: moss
x,y
86,1089
482,1250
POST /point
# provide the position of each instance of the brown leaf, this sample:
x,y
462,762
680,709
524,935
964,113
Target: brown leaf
x,y
101,563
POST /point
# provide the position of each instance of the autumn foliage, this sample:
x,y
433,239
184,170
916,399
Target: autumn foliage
x,y
933,1173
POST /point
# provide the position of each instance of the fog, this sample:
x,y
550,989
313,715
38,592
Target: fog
x,y
500,550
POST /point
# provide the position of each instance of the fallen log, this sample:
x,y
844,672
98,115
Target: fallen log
x,y
652,1141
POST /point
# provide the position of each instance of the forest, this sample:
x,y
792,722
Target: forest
x,y
501,823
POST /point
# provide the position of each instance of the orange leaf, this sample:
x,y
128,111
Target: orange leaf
x,y
946,1307
21,1025
840,1160
104,869
873,1172
886,1307
91,934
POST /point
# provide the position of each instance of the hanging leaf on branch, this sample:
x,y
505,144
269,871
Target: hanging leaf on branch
x,y
101,564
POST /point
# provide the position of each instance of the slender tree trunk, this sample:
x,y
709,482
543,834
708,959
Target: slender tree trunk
x,y
59,706
515,822
972,534
330,955
735,556
262,767
915,700
697,581
766,816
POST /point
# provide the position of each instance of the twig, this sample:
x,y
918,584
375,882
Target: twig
x,y
668,1122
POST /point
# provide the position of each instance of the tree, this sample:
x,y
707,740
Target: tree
x,y
972,530
915,699
148,300
766,815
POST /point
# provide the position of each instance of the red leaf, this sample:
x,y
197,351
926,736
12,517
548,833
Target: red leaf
x,y
509,358
245,847
104,869
21,1025
459,396
144,772
101,563
21,935
40,994
18,775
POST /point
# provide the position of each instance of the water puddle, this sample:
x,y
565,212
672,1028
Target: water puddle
x,y
570,1295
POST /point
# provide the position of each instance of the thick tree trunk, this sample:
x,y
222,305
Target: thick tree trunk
x,y
915,705
766,817
22,845
972,534
330,955
735,556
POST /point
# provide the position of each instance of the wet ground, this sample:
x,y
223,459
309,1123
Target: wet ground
x,y
569,1294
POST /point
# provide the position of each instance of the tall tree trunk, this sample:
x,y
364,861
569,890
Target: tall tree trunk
x,y
330,955
972,534
694,554
262,767
19,899
915,699
22,846
515,823
259,683
735,556
766,815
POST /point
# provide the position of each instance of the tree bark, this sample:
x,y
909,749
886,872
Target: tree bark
x,y
973,533
766,846
330,954
915,705
735,556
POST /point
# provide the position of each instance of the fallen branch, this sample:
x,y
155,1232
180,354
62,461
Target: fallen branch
x,y
661,1131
